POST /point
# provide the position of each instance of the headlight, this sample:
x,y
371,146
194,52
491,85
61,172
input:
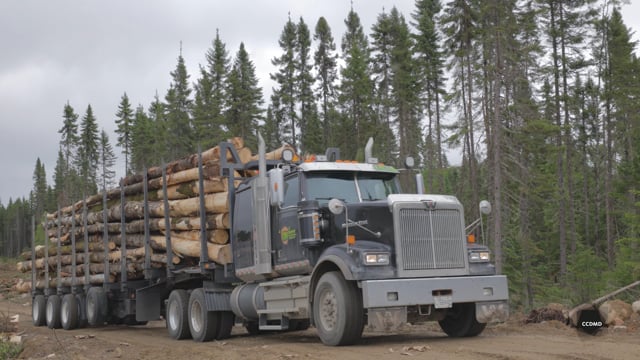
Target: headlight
x,y
479,256
376,258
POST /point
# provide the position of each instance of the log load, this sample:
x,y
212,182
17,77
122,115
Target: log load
x,y
85,219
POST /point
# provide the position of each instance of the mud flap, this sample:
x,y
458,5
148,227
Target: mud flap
x,y
149,302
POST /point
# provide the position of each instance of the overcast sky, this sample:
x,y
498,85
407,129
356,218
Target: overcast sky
x,y
91,52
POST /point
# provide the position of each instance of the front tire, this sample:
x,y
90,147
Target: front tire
x,y
337,310
460,321
53,312
39,310
203,324
178,315
69,312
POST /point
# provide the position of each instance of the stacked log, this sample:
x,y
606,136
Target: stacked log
x,y
85,220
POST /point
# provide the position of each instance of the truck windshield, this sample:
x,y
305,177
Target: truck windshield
x,y
323,186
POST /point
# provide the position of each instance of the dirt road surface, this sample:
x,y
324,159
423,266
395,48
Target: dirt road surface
x,y
513,340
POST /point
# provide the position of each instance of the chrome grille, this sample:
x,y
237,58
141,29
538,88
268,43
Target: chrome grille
x,y
430,239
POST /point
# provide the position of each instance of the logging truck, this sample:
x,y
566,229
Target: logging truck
x,y
280,245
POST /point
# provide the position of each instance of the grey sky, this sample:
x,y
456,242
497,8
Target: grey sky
x,y
91,52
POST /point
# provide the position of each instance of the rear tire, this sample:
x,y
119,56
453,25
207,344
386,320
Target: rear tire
x,y
39,310
177,317
203,324
96,306
53,312
226,319
460,321
69,312
337,310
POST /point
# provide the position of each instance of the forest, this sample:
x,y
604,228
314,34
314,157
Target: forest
x,y
530,104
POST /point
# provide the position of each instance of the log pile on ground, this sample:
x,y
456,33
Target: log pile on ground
x,y
547,313
183,194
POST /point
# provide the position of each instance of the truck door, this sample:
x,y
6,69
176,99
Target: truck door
x,y
286,234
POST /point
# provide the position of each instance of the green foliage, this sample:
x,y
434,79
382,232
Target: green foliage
x,y
9,350
124,123
178,106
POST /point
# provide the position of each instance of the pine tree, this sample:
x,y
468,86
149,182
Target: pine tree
x,y
88,155
124,120
285,95
325,63
178,106
245,98
355,90
106,174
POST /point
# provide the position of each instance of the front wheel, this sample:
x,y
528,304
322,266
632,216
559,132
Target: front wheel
x,y
337,310
460,321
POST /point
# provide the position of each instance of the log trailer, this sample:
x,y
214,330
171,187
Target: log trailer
x,y
327,242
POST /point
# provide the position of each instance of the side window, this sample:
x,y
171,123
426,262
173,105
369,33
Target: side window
x,y
291,191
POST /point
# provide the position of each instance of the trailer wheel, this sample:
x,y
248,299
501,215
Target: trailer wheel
x,y
337,310
96,306
202,323
69,312
226,320
82,310
460,321
178,315
53,312
38,310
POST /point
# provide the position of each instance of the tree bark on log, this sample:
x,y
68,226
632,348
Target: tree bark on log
x,y
213,236
218,253
97,279
67,249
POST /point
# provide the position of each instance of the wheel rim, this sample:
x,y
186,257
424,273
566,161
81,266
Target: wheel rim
x,y
35,311
196,316
328,309
173,315
91,307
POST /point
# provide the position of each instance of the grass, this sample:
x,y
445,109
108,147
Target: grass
x,y
8,350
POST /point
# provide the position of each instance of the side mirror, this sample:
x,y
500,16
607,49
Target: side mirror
x,y
485,207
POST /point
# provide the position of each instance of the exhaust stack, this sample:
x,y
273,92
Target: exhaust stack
x,y
261,219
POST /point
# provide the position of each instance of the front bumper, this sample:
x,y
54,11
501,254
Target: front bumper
x,y
490,293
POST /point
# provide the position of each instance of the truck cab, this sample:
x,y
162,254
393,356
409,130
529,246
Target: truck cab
x,y
359,252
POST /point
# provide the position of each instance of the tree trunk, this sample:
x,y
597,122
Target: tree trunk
x,y
218,253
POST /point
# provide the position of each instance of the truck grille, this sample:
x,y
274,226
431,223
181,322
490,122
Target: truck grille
x,y
430,239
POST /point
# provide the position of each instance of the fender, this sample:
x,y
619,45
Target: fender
x,y
336,258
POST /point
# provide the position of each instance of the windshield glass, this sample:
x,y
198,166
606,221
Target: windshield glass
x,y
324,186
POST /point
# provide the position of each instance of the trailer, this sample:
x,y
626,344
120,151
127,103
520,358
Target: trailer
x,y
319,242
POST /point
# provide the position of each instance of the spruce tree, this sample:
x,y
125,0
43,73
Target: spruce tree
x,y
311,139
69,134
430,62
355,90
245,98
88,152
144,139
211,98
285,95
178,106
325,64
124,120
39,192
106,174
